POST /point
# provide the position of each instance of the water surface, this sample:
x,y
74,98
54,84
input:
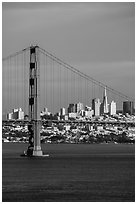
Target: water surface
x,y
72,172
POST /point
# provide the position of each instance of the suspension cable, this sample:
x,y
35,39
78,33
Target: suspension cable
x,y
15,54
51,56
74,70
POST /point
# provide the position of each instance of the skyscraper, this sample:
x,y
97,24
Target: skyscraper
x,y
62,111
96,106
105,103
78,107
128,107
71,108
112,109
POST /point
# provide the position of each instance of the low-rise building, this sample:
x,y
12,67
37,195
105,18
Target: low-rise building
x,y
16,114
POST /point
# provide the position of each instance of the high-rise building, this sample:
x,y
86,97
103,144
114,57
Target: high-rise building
x,y
62,111
9,116
45,110
128,107
112,108
20,114
71,108
96,106
78,107
104,106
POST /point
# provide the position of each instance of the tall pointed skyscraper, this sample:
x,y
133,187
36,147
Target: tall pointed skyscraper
x,y
105,102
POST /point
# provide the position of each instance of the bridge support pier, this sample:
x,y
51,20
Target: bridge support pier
x,y
37,145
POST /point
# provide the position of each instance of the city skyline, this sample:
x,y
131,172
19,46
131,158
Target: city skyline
x,y
102,108
97,108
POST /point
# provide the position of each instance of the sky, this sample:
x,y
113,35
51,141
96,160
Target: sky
x,y
96,38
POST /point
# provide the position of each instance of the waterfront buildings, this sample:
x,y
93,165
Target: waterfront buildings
x,y
72,115
128,107
16,114
96,106
112,108
45,112
71,108
78,107
79,112
89,114
62,111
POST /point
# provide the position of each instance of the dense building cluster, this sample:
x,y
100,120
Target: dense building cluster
x,y
105,129
79,112
78,124
16,114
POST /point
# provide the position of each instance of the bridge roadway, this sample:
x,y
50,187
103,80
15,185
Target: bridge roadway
x,y
129,123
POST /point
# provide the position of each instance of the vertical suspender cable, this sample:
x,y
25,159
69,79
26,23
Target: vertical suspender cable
x,y
44,82
38,78
85,96
53,86
46,72
9,97
21,80
14,65
71,87
50,85
77,88
8,85
57,94
25,96
18,94
59,85
67,87
74,86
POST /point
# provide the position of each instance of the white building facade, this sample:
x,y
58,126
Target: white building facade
x,y
112,108
17,114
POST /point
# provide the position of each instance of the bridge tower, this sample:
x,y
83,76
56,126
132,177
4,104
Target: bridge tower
x,y
34,104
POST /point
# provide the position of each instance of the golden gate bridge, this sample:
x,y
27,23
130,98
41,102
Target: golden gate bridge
x,y
33,78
